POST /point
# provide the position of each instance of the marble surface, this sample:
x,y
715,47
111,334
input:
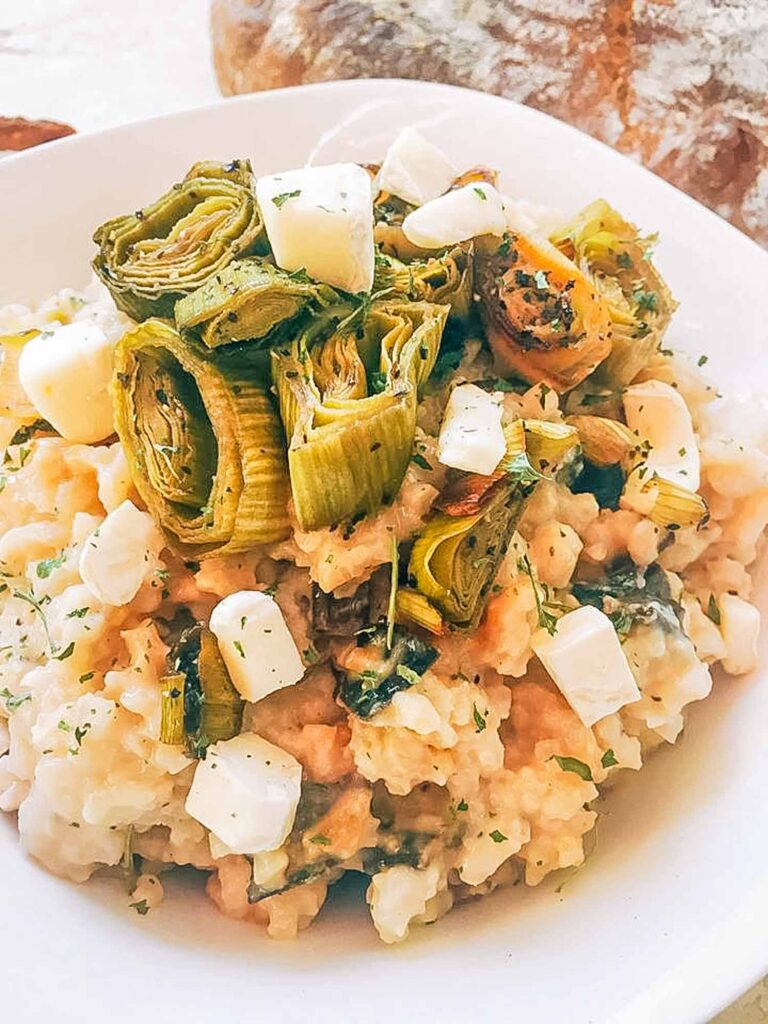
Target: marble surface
x,y
98,63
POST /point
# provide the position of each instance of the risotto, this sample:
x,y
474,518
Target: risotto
x,y
356,519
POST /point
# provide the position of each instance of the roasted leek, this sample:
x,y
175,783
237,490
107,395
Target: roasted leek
x,y
455,558
544,318
445,279
350,442
212,707
151,258
612,253
247,301
203,441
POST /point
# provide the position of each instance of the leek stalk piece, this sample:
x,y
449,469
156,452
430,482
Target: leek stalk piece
x,y
672,506
414,609
543,316
350,444
455,559
445,279
213,709
172,709
548,444
612,253
248,300
151,258
203,441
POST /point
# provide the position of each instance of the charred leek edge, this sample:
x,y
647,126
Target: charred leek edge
x,y
150,259
443,279
611,251
13,398
606,442
674,506
455,559
172,709
413,608
349,450
548,444
247,300
203,442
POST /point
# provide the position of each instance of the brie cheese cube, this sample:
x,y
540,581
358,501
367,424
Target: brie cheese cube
x,y
464,213
257,647
415,170
658,414
246,792
471,435
585,659
121,554
65,374
740,628
320,219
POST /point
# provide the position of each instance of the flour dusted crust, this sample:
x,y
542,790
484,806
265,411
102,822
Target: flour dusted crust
x,y
681,85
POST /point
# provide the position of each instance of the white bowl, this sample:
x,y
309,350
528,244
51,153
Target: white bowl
x,y
668,921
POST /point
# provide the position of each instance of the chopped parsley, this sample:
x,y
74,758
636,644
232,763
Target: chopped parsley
x,y
547,620
608,760
11,701
713,611
420,461
46,567
480,194
573,764
282,199
462,805
141,907
480,722
498,837
320,840
66,653
646,300
702,360
78,613
239,648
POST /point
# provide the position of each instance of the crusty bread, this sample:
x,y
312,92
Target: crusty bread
x,y
18,133
680,84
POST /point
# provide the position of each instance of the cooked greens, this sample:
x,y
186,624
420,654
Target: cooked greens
x,y
203,441
390,669
151,258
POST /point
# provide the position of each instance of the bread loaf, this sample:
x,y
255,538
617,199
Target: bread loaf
x,y
681,85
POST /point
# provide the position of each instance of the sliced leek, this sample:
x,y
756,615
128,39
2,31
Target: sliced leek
x,y
611,251
445,279
203,441
414,609
549,444
151,258
455,559
349,448
172,708
247,301
665,503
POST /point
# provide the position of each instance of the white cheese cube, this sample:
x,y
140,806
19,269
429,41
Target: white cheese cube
x,y
471,436
657,413
464,213
398,896
256,644
65,374
740,628
587,663
320,219
415,170
121,554
246,792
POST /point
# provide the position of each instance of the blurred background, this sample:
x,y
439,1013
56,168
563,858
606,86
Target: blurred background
x,y
681,85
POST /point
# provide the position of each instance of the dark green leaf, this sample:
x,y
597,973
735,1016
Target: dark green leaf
x,y
572,764
608,760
